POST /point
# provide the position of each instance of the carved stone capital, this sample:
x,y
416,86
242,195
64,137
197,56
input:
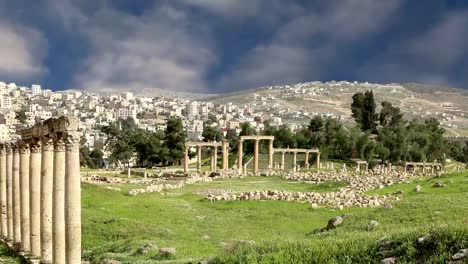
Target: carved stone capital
x,y
36,147
8,149
72,141
47,144
59,145
24,149
2,149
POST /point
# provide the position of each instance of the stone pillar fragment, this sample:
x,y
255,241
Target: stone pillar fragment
x,y
215,159
9,185
282,160
24,183
270,154
47,174
16,202
318,160
306,161
239,156
199,159
256,156
3,193
58,198
294,161
72,202
225,156
35,199
186,159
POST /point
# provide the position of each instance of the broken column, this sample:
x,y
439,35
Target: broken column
x,y
306,161
224,150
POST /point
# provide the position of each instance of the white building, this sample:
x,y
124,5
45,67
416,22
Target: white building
x,y
36,90
192,108
5,102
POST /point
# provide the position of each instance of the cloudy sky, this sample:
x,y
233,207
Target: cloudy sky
x,y
215,46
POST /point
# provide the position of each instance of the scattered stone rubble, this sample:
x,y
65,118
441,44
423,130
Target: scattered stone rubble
x,y
349,196
168,186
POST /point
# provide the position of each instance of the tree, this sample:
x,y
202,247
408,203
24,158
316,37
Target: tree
x,y
21,116
211,134
364,111
390,116
174,140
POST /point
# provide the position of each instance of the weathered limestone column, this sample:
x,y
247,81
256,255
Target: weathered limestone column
x,y
35,199
199,159
225,156
318,160
47,176
186,159
215,159
294,161
72,202
3,193
239,156
58,198
24,184
270,154
306,162
282,160
9,185
256,156
16,196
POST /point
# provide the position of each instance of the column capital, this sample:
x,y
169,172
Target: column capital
x,y
24,149
47,144
36,147
59,145
2,149
8,148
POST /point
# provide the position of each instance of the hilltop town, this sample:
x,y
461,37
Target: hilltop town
x,y
293,105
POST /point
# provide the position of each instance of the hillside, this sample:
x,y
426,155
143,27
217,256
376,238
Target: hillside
x,y
449,105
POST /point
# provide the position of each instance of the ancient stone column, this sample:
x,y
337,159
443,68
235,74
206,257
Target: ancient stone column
x,y
72,202
24,183
294,161
9,185
306,161
58,198
282,160
35,199
3,193
239,156
16,196
318,160
47,174
256,156
199,159
225,157
186,159
215,159
270,154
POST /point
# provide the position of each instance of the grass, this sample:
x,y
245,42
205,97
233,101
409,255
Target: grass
x,y
115,224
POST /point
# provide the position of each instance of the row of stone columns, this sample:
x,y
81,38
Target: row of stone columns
x,y
40,197
214,157
295,165
240,154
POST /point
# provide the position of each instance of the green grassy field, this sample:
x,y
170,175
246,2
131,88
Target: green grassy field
x,y
115,225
